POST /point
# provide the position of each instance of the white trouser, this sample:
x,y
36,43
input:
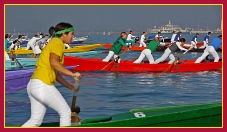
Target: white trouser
x,y
42,96
207,51
167,53
110,54
37,50
30,45
129,44
142,44
67,46
15,46
204,45
6,56
194,44
147,53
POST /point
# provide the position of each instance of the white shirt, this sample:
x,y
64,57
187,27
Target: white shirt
x,y
17,44
130,37
142,38
173,36
179,46
33,40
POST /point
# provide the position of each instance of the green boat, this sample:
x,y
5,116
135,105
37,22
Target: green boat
x,y
190,115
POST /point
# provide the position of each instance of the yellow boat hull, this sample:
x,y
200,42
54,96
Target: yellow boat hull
x,y
83,48
21,51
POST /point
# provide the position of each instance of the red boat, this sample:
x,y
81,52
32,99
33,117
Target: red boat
x,y
162,48
96,64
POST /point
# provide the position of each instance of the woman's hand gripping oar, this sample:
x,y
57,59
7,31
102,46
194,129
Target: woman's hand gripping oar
x,y
75,109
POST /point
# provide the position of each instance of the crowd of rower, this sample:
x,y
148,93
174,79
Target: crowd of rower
x,y
36,43
176,44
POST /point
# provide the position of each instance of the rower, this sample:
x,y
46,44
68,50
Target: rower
x,y
211,49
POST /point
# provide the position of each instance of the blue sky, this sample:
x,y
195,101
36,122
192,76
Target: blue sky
x,y
111,18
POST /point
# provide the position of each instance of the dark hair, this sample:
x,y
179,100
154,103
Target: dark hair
x,y
51,30
197,34
220,36
61,26
209,33
36,35
182,40
6,36
122,33
19,36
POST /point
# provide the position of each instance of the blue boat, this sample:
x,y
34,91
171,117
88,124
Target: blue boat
x,y
25,62
79,40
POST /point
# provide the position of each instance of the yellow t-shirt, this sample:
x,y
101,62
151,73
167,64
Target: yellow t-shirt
x,y
44,71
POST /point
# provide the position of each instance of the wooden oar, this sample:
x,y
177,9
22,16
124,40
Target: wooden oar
x,y
113,60
178,58
14,58
75,109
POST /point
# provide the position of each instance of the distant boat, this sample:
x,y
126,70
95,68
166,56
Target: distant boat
x,y
218,30
79,40
200,31
162,39
168,28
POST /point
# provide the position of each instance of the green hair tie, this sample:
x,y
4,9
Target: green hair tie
x,y
64,31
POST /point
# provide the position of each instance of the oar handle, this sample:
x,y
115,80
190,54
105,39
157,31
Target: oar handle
x,y
76,86
188,49
20,66
171,65
73,103
14,58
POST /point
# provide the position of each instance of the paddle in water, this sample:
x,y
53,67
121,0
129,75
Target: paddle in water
x,y
14,58
75,109
115,59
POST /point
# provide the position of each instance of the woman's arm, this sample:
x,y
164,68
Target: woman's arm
x,y
55,63
62,81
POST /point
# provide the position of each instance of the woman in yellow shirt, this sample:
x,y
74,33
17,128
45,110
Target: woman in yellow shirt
x,y
41,90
